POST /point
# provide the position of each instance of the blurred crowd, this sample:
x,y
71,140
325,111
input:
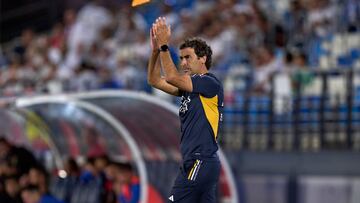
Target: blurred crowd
x,y
23,179
107,47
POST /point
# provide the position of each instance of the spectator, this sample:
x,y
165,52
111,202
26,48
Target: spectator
x,y
56,38
12,189
6,169
352,15
18,157
39,177
32,194
301,76
320,19
26,39
248,34
111,171
86,78
127,186
64,184
89,173
107,80
266,64
294,22
71,168
126,74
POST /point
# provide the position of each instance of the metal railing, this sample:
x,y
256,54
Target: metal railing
x,y
326,120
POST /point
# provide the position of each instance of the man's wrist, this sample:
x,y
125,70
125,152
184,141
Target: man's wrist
x,y
164,48
155,51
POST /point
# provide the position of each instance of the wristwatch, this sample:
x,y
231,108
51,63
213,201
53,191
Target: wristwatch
x,y
164,48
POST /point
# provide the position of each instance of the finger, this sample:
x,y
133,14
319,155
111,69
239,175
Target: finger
x,y
153,33
164,20
152,29
157,24
156,31
159,20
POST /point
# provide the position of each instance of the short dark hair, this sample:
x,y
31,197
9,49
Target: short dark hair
x,y
200,47
124,166
3,139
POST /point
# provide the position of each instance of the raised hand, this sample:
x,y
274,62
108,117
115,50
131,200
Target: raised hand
x,y
153,43
162,31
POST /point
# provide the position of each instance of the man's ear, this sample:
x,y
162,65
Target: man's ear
x,y
203,59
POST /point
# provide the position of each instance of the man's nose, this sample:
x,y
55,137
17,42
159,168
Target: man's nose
x,y
183,62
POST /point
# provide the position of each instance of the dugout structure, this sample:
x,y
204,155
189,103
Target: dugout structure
x,y
127,125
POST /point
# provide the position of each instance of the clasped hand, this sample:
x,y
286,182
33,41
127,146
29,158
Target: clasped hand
x,y
160,33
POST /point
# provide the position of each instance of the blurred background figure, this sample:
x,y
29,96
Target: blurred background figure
x,y
266,65
18,159
11,191
126,186
301,76
32,194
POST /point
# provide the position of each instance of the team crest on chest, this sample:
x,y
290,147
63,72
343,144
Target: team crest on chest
x,y
184,104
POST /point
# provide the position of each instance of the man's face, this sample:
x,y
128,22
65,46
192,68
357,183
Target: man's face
x,y
12,187
110,171
4,149
190,63
124,176
30,196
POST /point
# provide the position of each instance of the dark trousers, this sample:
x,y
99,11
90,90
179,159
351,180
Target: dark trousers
x,y
196,181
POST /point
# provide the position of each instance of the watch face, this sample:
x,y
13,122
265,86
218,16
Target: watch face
x,y
164,47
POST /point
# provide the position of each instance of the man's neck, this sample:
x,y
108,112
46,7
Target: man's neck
x,y
203,71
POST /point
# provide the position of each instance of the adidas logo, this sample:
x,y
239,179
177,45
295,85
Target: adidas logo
x,y
171,198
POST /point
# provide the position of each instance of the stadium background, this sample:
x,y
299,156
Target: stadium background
x,y
290,70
